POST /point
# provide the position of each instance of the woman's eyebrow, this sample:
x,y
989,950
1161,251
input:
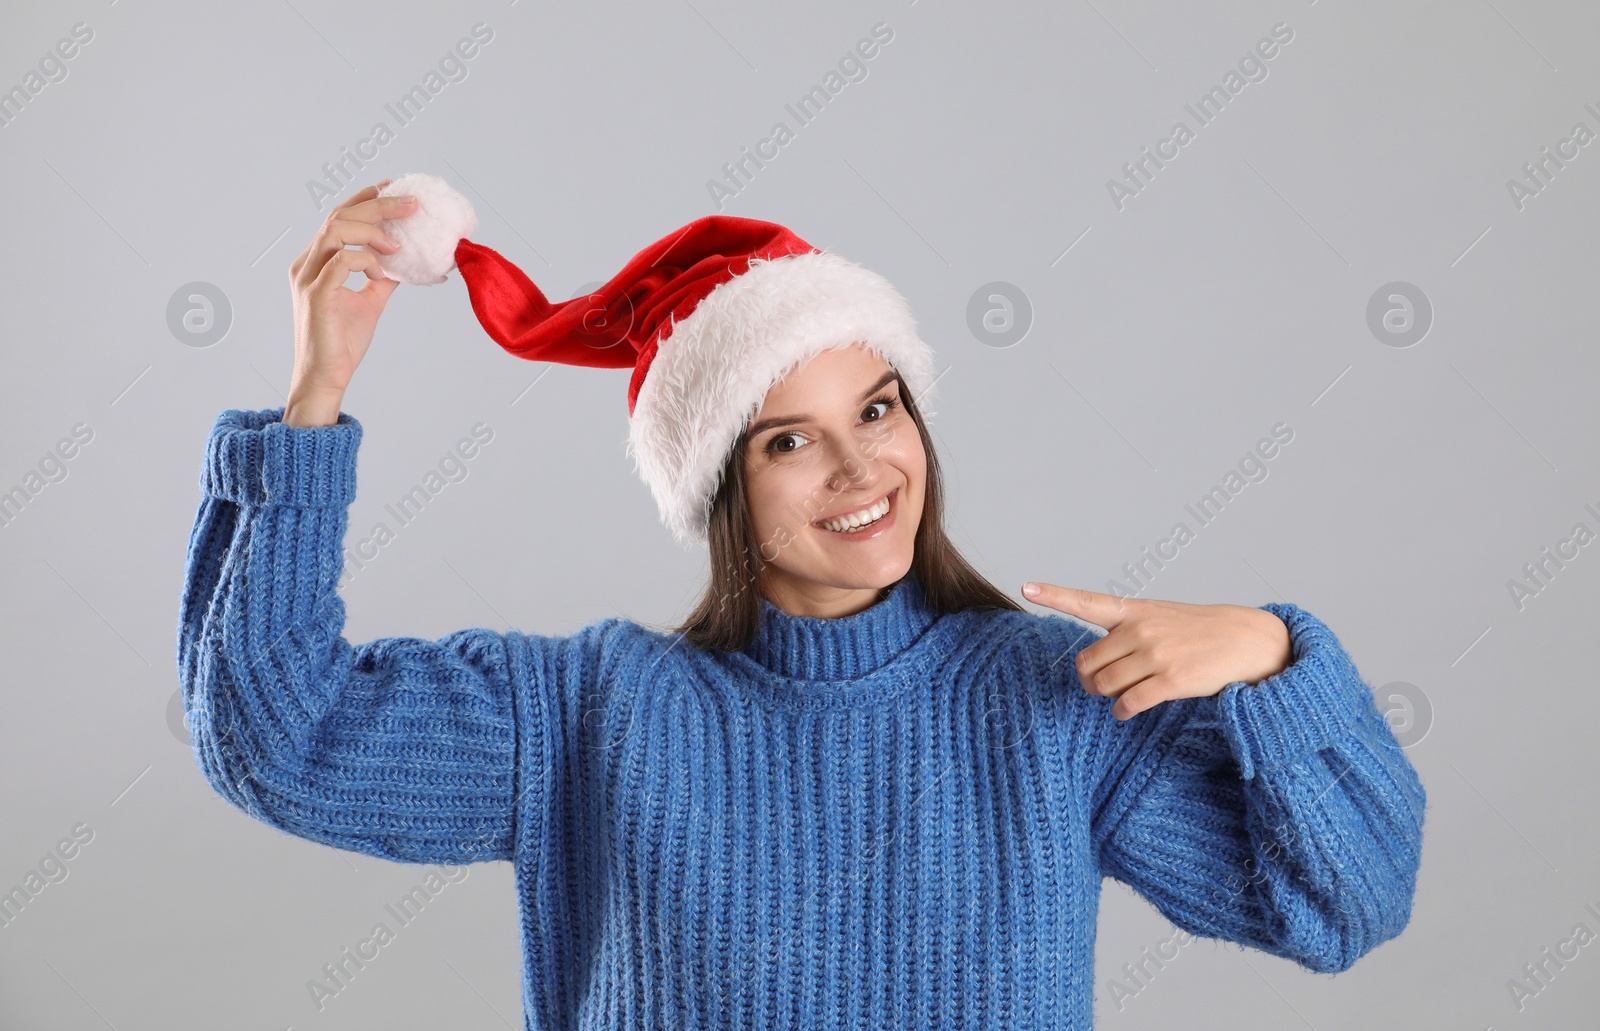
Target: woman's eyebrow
x,y
768,424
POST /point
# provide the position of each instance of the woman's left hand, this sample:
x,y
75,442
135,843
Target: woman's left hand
x,y
1155,651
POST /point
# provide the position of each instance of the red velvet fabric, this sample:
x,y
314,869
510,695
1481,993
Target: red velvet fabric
x,y
620,324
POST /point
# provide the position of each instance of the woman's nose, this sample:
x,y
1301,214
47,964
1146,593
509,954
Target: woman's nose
x,y
851,470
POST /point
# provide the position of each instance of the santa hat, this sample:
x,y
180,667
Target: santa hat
x,y
708,317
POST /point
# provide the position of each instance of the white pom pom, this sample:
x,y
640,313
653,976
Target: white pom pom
x,y
428,236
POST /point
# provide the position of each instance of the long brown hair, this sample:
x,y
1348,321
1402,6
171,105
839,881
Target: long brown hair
x,y
728,614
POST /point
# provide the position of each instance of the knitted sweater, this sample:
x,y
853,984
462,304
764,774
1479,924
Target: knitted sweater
x,y
895,819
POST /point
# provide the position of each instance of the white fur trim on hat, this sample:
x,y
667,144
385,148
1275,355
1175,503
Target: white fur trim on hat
x,y
711,374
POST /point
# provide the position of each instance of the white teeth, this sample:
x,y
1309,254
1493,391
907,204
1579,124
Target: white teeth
x,y
857,520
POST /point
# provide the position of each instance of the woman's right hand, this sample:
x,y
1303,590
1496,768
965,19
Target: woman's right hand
x,y
333,324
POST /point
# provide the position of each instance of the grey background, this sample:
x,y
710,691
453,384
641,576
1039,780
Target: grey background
x,y
1165,340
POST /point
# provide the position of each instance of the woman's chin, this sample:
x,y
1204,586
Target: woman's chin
x,y
877,566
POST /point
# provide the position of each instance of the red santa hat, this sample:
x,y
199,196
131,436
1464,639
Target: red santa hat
x,y
708,317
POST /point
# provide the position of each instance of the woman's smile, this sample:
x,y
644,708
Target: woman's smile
x,y
884,508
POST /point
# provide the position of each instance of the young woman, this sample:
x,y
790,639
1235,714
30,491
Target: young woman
x,y
860,786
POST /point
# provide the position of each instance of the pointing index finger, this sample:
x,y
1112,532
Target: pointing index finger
x,y
1104,610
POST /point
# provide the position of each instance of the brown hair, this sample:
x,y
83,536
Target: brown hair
x,y
728,614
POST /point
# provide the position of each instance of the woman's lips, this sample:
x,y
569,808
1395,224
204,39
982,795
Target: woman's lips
x,y
866,533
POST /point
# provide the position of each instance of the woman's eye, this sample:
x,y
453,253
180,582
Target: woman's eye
x,y
774,449
888,404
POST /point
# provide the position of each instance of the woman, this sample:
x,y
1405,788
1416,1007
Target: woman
x,y
860,786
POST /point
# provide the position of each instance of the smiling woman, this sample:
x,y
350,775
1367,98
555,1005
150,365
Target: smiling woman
x,y
861,787
863,451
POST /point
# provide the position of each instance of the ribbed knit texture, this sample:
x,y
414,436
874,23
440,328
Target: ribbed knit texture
x,y
892,820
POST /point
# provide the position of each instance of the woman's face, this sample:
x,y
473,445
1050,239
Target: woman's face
x,y
832,440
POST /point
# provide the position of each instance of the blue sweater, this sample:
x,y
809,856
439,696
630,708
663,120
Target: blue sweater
x,y
894,819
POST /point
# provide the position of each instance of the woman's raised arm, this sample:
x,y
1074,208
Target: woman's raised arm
x,y
400,748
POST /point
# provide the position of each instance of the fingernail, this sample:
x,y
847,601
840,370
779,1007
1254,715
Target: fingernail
x,y
408,199
1030,589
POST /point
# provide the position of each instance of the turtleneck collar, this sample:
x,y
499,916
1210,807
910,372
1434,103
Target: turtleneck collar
x,y
809,648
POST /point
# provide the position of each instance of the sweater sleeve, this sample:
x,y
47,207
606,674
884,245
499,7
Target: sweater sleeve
x,y
399,748
1281,815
